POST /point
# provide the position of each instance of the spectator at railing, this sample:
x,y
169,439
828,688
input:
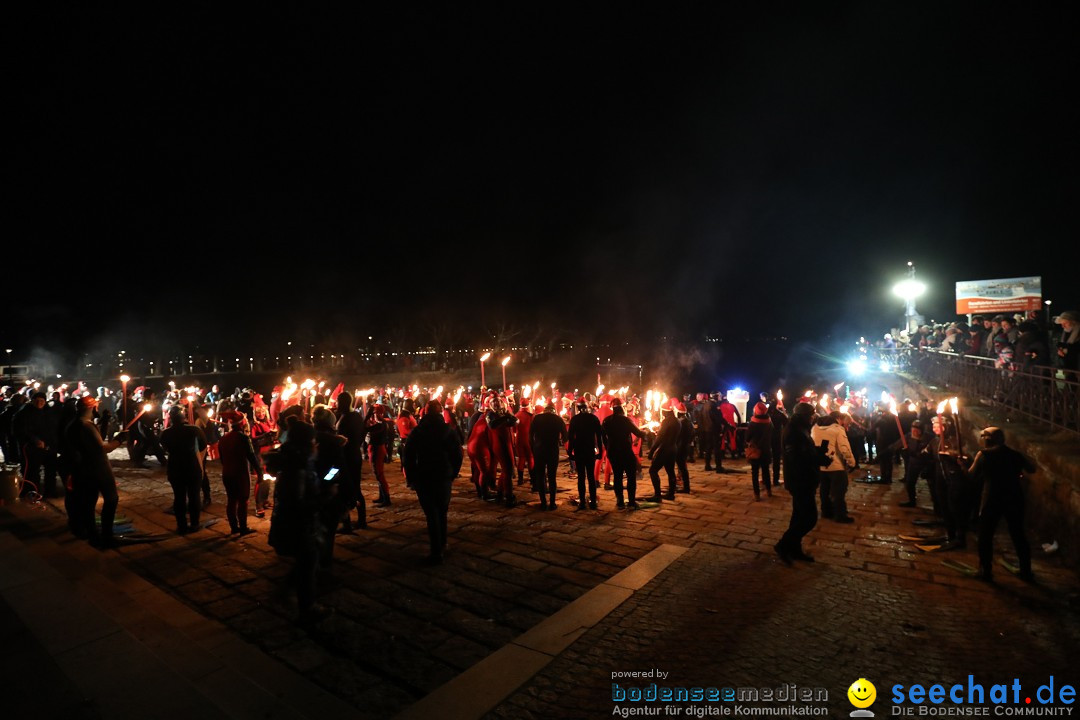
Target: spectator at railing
x,y
1009,329
991,336
1067,342
1030,348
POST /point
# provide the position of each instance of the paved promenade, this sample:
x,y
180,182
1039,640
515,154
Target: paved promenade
x,y
709,603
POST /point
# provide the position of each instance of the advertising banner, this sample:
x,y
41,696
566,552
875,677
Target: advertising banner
x,y
998,296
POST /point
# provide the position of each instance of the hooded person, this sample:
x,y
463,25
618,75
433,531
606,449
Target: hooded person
x,y
522,448
665,447
547,435
759,445
1001,469
500,425
585,437
184,444
619,433
478,447
431,460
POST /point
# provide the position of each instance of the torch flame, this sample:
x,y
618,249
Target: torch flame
x,y
911,407
438,393
824,401
147,407
505,361
525,391
125,379
953,402
779,395
485,357
808,393
599,389
885,397
845,408
210,412
941,407
892,407
838,386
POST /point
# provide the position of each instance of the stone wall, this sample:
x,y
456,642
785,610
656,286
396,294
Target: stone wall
x,y
1053,492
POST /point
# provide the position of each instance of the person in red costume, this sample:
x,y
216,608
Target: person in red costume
x,y
479,450
731,417
378,427
523,445
406,421
603,465
500,429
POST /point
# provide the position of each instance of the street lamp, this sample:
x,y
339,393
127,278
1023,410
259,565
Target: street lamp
x,y
505,361
483,359
123,390
907,290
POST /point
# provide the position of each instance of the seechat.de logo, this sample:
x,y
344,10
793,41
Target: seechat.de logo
x,y
862,694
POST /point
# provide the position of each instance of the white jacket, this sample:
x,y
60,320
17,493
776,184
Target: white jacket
x,y
840,455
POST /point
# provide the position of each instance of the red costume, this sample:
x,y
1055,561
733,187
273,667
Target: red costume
x,y
522,443
479,450
500,425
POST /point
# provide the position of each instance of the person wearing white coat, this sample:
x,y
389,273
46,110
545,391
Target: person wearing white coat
x,y
834,477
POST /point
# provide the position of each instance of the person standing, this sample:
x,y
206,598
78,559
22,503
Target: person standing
x,y
500,425
1001,470
619,432
663,452
779,418
351,426
683,446
92,476
802,460
35,428
759,447
184,444
522,448
238,461
829,432
585,436
1067,347
378,428
547,435
431,460
295,529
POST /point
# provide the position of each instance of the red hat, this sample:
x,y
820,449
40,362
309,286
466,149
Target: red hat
x,y
678,406
87,401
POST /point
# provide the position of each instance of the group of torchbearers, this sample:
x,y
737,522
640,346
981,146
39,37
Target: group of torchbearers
x,y
310,448
822,446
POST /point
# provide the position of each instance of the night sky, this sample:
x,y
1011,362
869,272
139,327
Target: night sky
x,y
698,168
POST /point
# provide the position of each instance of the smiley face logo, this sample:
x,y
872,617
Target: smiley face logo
x,y
862,693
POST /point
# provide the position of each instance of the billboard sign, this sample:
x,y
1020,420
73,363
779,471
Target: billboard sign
x,y
998,296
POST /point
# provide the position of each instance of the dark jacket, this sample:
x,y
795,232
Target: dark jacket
x,y
432,452
585,435
802,459
183,443
667,438
547,433
619,432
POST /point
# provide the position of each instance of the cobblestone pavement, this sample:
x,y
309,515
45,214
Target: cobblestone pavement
x,y
725,613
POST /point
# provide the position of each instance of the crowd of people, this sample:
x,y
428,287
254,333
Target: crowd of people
x,y
302,454
1015,342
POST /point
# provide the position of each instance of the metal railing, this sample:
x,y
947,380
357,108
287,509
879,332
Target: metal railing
x,y
1044,395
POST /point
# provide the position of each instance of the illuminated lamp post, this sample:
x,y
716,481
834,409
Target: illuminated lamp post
x,y
908,290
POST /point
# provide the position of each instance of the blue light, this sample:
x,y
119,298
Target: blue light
x,y
856,367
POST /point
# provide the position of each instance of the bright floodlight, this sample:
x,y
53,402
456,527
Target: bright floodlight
x,y
909,289
856,367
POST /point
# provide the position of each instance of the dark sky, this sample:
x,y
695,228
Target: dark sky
x,y
766,169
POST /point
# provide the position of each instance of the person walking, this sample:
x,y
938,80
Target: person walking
x,y
431,460
802,460
829,432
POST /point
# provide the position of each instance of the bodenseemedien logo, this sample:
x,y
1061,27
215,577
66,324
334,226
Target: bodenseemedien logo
x,y
862,694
